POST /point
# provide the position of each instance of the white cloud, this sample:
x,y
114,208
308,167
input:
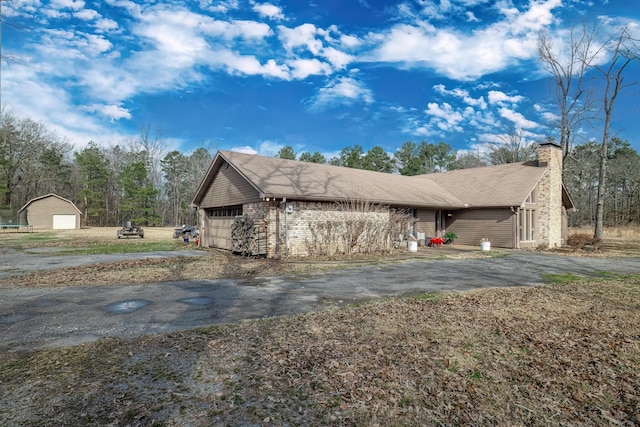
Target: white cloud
x,y
501,98
550,117
95,44
268,10
248,65
517,119
221,6
303,68
67,4
106,25
164,46
51,104
350,41
272,69
337,58
24,7
308,39
234,29
471,17
114,112
244,149
462,94
465,56
269,148
132,8
86,14
537,17
447,118
52,13
472,115
344,90
301,36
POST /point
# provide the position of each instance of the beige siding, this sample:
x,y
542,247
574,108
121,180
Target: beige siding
x,y
229,188
471,226
40,212
219,232
426,222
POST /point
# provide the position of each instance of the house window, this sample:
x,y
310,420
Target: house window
x,y
224,212
532,198
528,222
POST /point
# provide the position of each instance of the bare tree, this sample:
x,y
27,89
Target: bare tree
x,y
623,50
512,147
568,65
151,147
469,160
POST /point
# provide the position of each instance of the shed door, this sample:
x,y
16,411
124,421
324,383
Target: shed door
x,y
64,222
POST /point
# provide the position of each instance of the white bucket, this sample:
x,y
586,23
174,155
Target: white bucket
x,y
485,246
413,245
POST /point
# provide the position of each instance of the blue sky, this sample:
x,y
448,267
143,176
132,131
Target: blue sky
x,y
317,75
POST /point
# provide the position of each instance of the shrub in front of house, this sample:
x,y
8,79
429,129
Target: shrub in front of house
x,y
582,240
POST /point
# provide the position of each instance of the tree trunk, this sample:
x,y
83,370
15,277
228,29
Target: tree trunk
x,y
599,232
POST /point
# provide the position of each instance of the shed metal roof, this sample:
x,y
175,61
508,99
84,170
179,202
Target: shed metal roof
x,y
46,196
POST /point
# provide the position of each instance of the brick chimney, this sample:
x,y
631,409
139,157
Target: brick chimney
x,y
550,208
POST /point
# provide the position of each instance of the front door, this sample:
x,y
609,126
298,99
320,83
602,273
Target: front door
x,y
440,223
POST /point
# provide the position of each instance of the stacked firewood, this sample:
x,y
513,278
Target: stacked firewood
x,y
249,237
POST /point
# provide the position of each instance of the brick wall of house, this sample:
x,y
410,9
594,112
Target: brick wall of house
x,y
299,224
550,196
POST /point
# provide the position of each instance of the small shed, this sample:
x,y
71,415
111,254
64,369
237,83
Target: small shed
x,y
51,212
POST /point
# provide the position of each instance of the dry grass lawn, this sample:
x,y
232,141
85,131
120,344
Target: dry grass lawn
x,y
214,265
555,355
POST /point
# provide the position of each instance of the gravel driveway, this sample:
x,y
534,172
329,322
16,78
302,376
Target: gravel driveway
x,y
35,318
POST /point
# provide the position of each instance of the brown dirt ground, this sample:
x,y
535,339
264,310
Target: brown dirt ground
x,y
553,355
216,264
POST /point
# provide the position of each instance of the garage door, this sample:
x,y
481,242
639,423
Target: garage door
x,y
220,232
64,222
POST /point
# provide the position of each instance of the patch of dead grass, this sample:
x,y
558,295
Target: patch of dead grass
x,y
543,356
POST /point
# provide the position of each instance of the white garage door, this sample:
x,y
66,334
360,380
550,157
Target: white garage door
x,y
64,222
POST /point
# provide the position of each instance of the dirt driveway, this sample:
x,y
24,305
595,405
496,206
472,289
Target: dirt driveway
x,y
35,318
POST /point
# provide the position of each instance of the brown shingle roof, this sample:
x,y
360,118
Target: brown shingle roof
x,y
493,186
275,177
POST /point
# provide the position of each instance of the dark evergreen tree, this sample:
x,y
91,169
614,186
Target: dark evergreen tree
x,y
287,152
378,160
316,157
93,170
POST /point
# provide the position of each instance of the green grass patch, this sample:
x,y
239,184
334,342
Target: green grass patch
x,y
22,238
433,297
39,237
123,248
561,279
608,275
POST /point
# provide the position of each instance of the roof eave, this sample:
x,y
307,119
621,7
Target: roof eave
x,y
216,164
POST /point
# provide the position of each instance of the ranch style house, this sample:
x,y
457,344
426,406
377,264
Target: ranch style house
x,y
516,205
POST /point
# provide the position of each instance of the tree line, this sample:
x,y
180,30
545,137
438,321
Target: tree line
x,y
140,181
137,181
581,170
